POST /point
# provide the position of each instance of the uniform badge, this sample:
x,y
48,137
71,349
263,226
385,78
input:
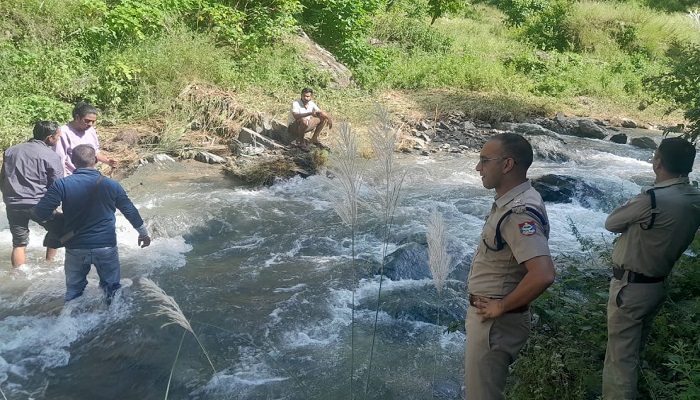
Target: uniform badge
x,y
528,228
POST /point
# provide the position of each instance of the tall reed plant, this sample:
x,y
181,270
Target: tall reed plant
x,y
439,262
167,307
387,194
346,183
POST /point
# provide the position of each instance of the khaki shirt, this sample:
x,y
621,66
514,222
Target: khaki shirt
x,y
497,273
654,252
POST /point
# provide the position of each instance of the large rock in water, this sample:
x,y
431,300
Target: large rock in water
x,y
564,189
589,129
423,303
410,261
619,138
643,142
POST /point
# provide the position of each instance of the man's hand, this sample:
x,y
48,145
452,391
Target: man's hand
x,y
144,241
489,308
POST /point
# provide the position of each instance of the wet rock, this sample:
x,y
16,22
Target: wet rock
x,y
619,138
410,260
424,304
209,158
589,129
628,123
565,189
643,142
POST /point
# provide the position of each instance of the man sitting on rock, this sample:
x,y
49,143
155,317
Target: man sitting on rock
x,y
307,116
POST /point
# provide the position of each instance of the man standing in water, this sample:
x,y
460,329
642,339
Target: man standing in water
x,y
27,170
511,268
305,117
656,227
89,202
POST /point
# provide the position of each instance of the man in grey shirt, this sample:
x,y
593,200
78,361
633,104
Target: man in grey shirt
x,y
28,169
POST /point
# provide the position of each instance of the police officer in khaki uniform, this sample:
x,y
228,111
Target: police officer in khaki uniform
x,y
656,226
511,268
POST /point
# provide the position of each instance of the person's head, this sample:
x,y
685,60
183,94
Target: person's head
x,y
674,157
504,161
307,94
47,132
84,156
84,116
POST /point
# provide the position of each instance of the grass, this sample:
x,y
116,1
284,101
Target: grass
x,y
167,307
498,75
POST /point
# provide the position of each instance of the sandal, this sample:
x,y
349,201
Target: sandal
x,y
301,147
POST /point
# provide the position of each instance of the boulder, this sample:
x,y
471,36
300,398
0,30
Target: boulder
x,y
589,129
209,158
423,304
564,189
628,123
643,142
619,138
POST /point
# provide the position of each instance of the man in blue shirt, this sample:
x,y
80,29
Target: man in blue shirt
x,y
89,203
27,170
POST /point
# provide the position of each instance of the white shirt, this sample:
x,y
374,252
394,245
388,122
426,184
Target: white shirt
x,y
299,108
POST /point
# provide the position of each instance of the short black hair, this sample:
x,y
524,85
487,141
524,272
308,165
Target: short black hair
x,y
82,109
516,147
44,129
84,156
307,90
677,155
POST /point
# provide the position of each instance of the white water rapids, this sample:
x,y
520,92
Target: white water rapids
x,y
265,278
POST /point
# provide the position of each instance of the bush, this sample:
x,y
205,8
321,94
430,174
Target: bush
x,y
547,29
681,83
410,34
342,27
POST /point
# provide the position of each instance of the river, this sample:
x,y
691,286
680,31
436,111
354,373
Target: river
x,y
265,278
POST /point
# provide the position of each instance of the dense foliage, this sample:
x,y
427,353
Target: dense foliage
x,y
131,57
567,346
681,83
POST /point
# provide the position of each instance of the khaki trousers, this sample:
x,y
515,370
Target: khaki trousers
x,y
491,347
631,310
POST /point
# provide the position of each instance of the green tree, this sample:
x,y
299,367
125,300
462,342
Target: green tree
x,y
438,8
681,84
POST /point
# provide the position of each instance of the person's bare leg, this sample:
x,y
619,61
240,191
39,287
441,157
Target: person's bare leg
x,y
50,254
317,131
18,256
301,130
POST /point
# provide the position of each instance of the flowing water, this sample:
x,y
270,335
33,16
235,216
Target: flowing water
x,y
265,278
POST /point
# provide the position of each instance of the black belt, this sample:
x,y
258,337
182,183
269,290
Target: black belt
x,y
635,277
473,298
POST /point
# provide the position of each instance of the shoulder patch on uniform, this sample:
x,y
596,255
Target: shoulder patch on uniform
x,y
528,228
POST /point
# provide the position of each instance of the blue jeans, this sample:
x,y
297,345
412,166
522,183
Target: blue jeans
x,y
77,266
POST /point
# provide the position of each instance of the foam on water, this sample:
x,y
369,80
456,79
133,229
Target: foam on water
x,y
285,257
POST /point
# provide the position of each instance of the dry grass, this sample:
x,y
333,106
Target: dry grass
x,y
347,175
346,182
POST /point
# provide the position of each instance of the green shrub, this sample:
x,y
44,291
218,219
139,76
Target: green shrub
x,y
681,83
563,358
342,26
547,29
410,34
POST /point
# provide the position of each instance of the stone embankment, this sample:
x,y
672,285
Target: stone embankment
x,y
457,134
